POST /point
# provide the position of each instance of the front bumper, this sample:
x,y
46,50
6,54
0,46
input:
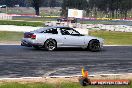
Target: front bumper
x,y
101,45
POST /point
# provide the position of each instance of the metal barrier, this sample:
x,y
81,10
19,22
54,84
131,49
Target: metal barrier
x,y
4,16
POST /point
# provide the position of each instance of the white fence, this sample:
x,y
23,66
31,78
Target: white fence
x,y
17,28
4,16
121,28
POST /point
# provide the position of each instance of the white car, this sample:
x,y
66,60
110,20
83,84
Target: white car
x,y
52,38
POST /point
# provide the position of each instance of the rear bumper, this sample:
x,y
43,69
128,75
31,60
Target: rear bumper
x,y
29,44
25,43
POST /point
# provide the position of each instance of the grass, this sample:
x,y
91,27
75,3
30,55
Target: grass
x,y
21,23
41,19
10,36
114,38
111,38
107,22
59,85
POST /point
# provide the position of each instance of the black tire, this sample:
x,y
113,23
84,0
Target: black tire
x,y
37,47
85,82
50,45
94,45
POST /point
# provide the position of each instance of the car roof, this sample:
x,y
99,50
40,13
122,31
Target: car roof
x,y
46,28
55,27
58,27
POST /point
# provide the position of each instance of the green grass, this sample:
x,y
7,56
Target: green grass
x,y
31,85
107,22
42,19
59,85
114,38
21,23
10,36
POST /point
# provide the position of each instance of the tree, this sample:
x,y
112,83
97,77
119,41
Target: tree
x,y
64,8
125,6
9,3
52,3
112,7
36,5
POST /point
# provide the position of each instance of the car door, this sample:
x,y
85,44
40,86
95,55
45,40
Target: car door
x,y
72,37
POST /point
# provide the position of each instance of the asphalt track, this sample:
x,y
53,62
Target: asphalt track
x,y
18,61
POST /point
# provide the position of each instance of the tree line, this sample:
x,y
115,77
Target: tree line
x,y
24,3
36,4
93,8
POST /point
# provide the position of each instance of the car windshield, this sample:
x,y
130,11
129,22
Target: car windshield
x,y
73,32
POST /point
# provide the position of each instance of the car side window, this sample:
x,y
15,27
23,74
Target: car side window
x,y
52,31
64,32
69,31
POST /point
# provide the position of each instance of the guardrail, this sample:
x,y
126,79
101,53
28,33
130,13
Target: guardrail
x,y
4,16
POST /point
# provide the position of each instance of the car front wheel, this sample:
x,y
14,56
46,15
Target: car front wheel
x,y
94,45
50,45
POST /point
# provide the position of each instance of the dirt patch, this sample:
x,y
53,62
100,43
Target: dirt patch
x,y
63,79
10,42
40,80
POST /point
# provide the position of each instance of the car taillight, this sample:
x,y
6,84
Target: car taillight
x,y
27,35
33,36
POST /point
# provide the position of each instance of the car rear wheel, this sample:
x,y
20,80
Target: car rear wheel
x,y
94,45
50,45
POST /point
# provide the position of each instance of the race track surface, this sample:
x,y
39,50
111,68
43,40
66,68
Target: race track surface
x,y
18,61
